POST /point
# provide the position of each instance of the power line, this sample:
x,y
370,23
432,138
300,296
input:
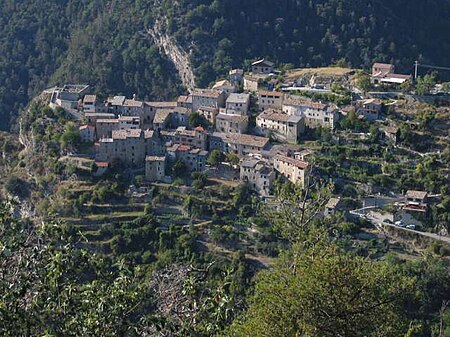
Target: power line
x,y
417,65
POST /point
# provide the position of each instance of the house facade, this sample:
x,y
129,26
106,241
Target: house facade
x,y
237,143
231,123
281,126
207,98
262,67
258,175
155,167
270,99
293,169
238,104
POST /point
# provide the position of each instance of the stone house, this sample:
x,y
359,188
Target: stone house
x,y
105,127
282,126
194,138
316,113
87,133
370,109
185,102
92,117
262,67
132,107
236,77
155,168
333,205
383,73
238,104
115,104
270,99
237,143
251,83
153,144
258,175
128,146
293,169
150,109
208,113
161,119
390,134
193,158
416,201
231,123
89,103
224,85
208,98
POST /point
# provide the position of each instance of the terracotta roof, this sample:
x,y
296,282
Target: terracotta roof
x,y
206,93
106,121
133,103
161,104
306,104
270,93
102,163
222,83
382,65
117,100
161,116
416,194
82,127
148,134
242,139
99,114
232,118
155,158
90,99
183,99
292,161
125,134
238,98
273,116
236,72
333,202
199,129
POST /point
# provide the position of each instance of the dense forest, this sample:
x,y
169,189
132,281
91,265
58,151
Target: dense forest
x,y
104,43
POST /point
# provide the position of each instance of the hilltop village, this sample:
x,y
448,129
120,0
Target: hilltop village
x,y
254,128
255,125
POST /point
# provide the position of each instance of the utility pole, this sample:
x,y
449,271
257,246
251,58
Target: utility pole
x,y
416,64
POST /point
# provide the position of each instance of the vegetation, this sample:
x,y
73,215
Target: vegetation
x,y
105,44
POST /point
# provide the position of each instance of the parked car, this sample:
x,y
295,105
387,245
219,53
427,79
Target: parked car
x,y
399,223
411,226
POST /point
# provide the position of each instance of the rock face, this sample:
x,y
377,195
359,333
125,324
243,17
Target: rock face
x,y
175,53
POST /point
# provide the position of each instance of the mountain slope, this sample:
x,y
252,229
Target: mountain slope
x,y
106,43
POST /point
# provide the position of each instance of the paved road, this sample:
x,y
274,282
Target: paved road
x,y
377,221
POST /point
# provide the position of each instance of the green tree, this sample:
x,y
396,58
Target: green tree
x,y
363,82
195,119
70,138
331,293
426,83
215,158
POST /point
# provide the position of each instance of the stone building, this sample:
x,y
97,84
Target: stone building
x,y
281,126
293,169
237,143
231,123
155,167
207,98
270,99
258,175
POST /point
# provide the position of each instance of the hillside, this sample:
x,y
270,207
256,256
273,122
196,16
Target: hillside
x,y
107,43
